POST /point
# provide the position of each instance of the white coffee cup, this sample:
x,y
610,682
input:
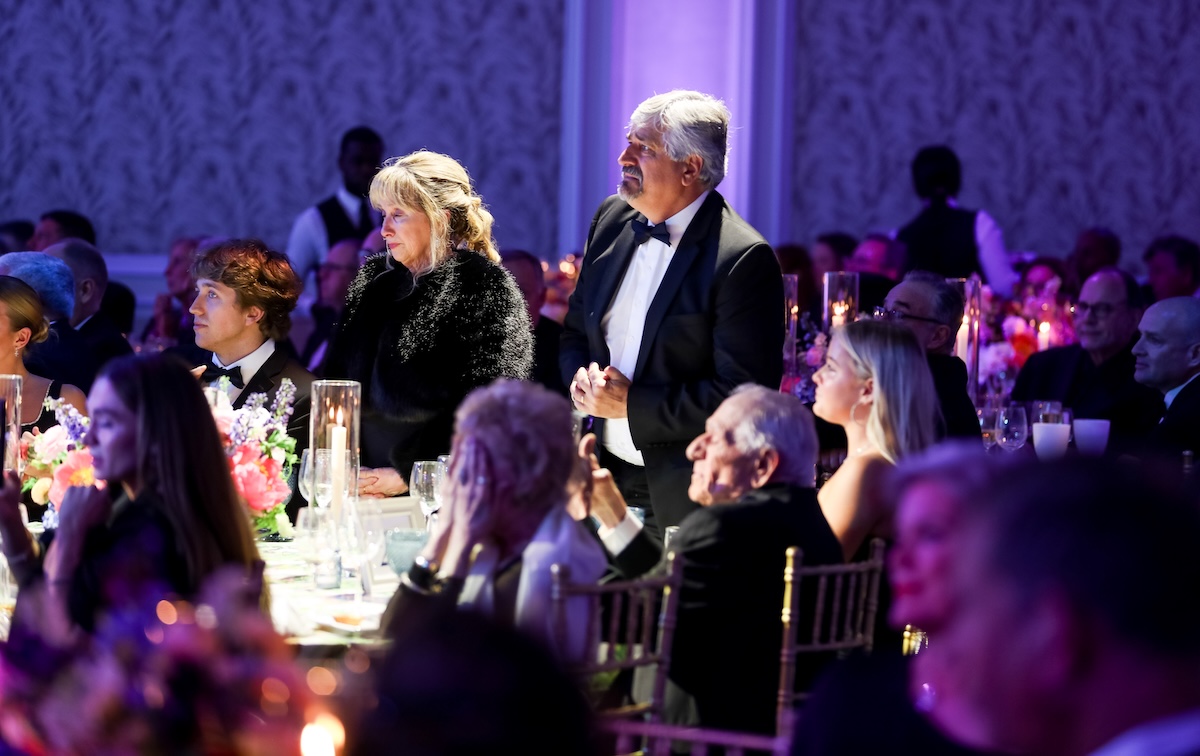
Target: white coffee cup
x,y
1050,440
1091,436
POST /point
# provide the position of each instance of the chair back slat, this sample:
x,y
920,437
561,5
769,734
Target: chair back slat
x,y
631,624
846,602
657,739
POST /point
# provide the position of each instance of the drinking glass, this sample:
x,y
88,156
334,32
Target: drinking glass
x,y
443,471
321,484
1011,427
1050,440
424,484
987,426
361,541
316,541
304,479
1046,412
1091,436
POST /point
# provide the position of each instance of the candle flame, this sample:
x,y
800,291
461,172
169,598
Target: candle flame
x,y
1044,327
839,308
339,416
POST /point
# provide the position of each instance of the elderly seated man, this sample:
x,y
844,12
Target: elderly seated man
x,y
753,473
1167,358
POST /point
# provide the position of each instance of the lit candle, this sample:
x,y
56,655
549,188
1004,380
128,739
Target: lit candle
x,y
960,341
1043,336
337,447
838,318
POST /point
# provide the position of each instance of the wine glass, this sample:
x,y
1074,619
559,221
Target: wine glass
x,y
304,480
443,470
987,426
361,542
322,477
1011,427
314,534
423,484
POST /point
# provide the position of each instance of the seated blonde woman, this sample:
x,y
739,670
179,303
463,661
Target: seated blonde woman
x,y
875,384
505,521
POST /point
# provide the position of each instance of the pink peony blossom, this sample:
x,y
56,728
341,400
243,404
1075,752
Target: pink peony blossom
x,y
49,445
258,479
76,470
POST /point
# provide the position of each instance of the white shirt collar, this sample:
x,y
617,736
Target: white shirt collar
x,y
1170,736
251,363
1170,395
83,322
350,202
679,222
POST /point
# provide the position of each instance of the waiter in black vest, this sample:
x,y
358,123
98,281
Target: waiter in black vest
x,y
345,215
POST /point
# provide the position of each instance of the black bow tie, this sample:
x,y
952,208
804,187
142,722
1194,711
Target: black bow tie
x,y
212,374
643,231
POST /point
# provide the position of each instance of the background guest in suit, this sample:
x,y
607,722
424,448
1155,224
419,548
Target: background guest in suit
x,y
243,306
926,304
527,271
678,301
1095,249
15,235
425,324
946,238
347,214
876,384
830,252
1094,378
1173,267
753,472
1067,633
1167,359
87,265
57,225
64,355
334,276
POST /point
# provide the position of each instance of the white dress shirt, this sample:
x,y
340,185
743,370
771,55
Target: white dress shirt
x,y
1170,395
625,321
249,365
308,245
616,538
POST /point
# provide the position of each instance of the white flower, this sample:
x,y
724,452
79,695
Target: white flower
x,y
41,491
284,525
278,454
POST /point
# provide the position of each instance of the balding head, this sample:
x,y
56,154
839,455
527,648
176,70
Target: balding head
x,y
91,275
1106,316
1168,349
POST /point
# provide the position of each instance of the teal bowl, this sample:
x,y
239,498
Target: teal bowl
x,y
403,545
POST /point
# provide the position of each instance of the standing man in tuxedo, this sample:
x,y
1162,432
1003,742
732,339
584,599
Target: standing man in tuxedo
x,y
678,301
245,296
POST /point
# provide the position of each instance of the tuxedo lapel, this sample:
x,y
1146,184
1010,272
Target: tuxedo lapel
x,y
677,270
263,382
609,269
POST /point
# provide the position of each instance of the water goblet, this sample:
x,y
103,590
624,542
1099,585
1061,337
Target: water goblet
x,y
423,484
1012,430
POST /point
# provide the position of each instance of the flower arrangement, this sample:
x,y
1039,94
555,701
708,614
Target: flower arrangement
x,y
810,345
260,451
57,459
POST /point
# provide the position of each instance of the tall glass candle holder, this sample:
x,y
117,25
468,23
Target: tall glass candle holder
x,y
10,392
791,314
966,342
841,299
334,425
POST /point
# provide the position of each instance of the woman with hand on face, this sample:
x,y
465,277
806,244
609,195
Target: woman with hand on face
x,y
428,322
505,521
167,517
875,384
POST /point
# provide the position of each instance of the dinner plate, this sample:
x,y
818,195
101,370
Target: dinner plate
x,y
352,617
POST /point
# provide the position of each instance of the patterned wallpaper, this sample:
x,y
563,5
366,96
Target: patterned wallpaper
x,y
1065,113
222,116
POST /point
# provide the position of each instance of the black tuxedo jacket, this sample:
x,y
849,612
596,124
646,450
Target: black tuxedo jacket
x,y
950,382
1106,391
728,633
104,339
266,381
1179,430
715,322
63,356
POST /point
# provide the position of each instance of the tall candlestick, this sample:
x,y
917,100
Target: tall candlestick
x,y
1043,337
960,341
337,446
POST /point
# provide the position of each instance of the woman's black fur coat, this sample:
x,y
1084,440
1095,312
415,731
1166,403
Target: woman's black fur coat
x,y
419,350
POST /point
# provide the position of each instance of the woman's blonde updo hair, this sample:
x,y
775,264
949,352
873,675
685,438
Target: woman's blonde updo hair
x,y
24,308
440,187
904,407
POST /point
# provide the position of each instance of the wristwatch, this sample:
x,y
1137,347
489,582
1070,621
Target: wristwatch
x,y
422,574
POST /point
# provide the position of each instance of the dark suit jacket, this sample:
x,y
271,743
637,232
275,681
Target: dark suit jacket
x,y
1179,430
950,383
266,381
1106,391
728,634
715,322
63,356
104,339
